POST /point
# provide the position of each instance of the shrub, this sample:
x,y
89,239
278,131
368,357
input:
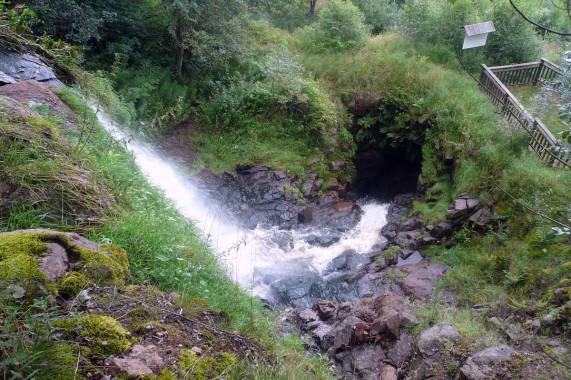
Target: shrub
x,y
340,26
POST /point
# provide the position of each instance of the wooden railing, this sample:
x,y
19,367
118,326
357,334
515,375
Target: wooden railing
x,y
527,73
542,141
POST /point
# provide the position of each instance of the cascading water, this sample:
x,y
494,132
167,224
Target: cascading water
x,y
249,255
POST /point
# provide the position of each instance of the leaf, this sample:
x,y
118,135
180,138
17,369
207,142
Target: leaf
x,y
16,291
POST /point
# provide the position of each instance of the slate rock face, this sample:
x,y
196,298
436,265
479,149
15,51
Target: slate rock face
x,y
260,196
19,67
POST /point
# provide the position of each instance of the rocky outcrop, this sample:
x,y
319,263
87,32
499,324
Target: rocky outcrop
x,y
366,338
16,67
258,195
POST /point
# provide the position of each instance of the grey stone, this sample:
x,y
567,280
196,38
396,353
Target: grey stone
x,y
482,364
54,262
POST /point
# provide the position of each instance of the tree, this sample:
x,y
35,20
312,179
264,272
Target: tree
x,y
340,26
191,21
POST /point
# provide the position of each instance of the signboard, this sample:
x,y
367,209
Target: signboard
x,y
477,34
474,41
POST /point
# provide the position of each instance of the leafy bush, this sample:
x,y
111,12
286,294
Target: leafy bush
x,y
380,15
340,26
514,41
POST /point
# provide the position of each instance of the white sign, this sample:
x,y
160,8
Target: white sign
x,y
475,41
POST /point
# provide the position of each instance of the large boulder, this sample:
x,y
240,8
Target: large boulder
x,y
19,67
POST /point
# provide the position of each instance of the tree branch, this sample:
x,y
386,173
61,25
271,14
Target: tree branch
x,y
536,24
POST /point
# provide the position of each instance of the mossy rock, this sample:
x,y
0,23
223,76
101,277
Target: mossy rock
x,y
204,367
22,254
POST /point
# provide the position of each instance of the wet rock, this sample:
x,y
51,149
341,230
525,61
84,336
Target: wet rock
x,y
420,279
338,216
20,67
325,238
400,206
299,290
349,260
482,365
284,240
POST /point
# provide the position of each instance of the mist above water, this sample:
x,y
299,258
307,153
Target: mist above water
x,y
244,252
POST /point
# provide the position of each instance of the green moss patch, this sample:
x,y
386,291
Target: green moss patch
x,y
204,367
107,334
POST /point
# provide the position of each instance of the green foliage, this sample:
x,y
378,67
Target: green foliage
x,y
380,15
28,348
514,41
17,17
436,29
252,116
339,27
203,28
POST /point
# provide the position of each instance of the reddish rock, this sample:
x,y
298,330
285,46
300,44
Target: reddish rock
x,y
420,279
388,372
325,309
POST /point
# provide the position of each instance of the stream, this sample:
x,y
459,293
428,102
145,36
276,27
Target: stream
x,y
261,258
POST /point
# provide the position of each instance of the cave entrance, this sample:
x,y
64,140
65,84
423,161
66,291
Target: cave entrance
x,y
383,173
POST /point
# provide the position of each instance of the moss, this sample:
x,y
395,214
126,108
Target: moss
x,y
107,334
165,374
19,263
117,253
204,367
72,283
101,268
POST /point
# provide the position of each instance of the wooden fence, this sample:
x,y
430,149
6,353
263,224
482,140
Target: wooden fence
x,y
493,81
527,73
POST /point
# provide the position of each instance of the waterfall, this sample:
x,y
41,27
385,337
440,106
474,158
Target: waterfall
x,y
246,252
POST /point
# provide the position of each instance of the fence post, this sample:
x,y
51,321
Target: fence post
x,y
538,73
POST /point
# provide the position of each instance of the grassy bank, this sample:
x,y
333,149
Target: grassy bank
x,y
164,248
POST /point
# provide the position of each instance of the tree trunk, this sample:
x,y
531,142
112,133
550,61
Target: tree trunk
x,y
312,4
179,60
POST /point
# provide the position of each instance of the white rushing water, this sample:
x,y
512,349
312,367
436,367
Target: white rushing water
x,y
245,251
